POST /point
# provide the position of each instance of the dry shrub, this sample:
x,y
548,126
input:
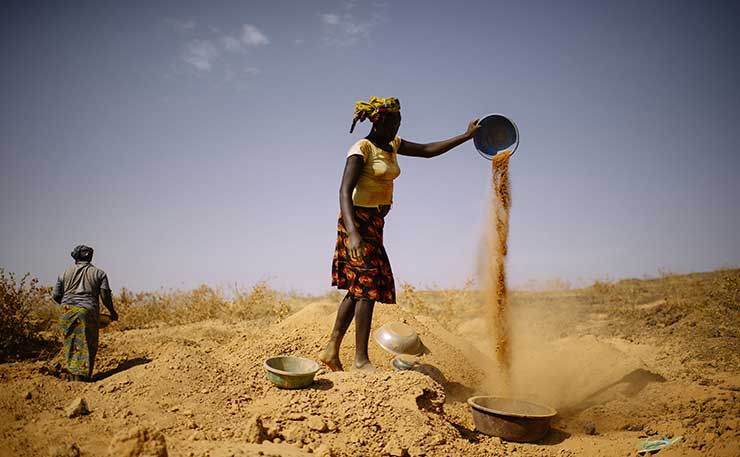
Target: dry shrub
x,y
412,300
23,307
622,296
449,306
172,307
260,301
455,304
601,288
714,293
726,289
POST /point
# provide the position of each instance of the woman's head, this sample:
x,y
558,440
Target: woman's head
x,y
384,113
82,253
387,125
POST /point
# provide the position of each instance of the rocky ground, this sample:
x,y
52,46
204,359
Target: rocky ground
x,y
619,368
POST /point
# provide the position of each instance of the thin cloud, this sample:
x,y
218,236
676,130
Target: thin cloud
x,y
219,54
182,25
230,43
348,28
251,36
331,19
201,54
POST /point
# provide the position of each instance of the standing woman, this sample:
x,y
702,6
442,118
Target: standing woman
x,y
79,290
360,264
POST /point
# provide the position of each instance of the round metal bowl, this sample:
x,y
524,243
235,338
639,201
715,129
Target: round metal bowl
x,y
398,338
497,134
509,419
288,372
104,320
403,362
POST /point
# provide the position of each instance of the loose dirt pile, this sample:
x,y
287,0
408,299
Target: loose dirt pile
x,y
200,390
203,386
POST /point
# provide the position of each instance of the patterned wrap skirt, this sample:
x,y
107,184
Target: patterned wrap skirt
x,y
370,276
79,326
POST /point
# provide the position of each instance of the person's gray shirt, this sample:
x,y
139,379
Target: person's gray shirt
x,y
80,285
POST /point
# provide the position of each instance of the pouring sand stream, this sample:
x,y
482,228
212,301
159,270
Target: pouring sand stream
x,y
495,281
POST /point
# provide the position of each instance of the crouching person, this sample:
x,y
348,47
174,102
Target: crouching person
x,y
79,290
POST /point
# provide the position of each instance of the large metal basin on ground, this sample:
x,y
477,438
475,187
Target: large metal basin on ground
x,y
290,372
509,419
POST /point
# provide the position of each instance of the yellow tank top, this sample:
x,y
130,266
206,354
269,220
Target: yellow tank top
x,y
380,168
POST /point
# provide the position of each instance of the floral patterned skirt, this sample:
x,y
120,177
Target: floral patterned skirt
x,y
79,327
370,276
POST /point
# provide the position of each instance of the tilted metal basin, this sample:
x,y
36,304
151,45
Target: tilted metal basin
x,y
399,338
510,419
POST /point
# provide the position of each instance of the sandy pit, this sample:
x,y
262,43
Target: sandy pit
x,y
200,389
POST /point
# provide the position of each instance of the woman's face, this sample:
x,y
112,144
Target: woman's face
x,y
388,126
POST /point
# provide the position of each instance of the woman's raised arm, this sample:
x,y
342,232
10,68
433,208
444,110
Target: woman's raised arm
x,y
428,150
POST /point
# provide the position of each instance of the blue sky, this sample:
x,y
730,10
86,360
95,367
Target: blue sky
x,y
203,142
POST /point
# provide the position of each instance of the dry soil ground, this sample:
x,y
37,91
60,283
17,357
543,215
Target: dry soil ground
x,y
620,362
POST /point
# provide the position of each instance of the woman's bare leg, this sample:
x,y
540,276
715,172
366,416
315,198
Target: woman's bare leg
x,y
330,355
363,321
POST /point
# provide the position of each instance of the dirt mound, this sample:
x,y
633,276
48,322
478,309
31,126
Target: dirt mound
x,y
351,413
200,390
138,442
306,332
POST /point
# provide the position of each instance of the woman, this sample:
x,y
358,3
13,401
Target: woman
x,y
78,290
360,262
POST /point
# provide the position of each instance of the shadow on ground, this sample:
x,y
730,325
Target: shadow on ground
x,y
630,385
321,384
554,436
122,366
454,390
39,348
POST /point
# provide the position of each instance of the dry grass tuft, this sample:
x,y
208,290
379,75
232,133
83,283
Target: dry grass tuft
x,y
449,306
172,307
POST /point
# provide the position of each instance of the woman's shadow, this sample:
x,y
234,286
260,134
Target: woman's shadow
x,y
122,366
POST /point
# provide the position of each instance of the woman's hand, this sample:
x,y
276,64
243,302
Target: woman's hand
x,y
355,246
473,127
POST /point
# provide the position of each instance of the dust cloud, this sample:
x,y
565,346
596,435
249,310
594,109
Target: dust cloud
x,y
530,356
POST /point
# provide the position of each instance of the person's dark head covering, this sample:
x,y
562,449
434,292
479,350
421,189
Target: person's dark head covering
x,y
82,253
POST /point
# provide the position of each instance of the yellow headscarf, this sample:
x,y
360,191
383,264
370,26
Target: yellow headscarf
x,y
373,108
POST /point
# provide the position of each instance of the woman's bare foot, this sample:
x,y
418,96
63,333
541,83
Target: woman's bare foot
x,y
330,358
364,366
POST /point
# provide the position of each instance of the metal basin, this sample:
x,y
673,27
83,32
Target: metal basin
x,y
398,338
288,372
497,134
509,419
404,362
104,320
